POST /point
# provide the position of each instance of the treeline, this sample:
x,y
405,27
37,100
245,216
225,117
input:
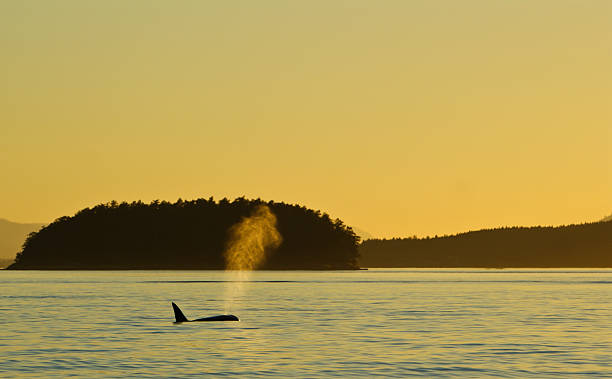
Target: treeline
x,y
585,245
183,235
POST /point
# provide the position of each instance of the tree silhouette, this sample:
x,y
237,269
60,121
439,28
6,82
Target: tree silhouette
x,y
585,245
183,235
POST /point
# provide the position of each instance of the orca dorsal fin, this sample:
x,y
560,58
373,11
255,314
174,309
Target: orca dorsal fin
x,y
178,315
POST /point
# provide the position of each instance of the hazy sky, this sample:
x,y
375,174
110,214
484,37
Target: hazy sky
x,y
399,117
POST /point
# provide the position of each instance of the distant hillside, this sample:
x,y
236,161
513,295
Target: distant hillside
x,y
12,236
183,235
5,262
586,245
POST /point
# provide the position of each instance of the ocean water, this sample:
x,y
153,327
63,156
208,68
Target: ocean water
x,y
389,323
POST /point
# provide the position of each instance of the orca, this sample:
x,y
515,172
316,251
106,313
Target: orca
x,y
180,317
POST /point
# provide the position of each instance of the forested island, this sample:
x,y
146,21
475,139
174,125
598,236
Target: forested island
x,y
183,235
585,245
194,235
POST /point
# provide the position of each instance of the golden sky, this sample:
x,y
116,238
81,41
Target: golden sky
x,y
399,117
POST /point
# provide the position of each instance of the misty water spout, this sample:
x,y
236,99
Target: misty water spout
x,y
250,241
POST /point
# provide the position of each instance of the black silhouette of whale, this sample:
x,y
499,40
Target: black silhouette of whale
x,y
180,317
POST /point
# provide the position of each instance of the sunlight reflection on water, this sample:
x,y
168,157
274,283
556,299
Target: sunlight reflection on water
x,y
502,323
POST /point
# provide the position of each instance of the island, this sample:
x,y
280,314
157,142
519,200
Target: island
x,y
190,235
586,245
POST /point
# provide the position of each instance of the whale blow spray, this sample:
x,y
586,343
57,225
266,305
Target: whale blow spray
x,y
250,241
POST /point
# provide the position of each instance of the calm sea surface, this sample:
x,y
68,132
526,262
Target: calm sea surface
x,y
390,323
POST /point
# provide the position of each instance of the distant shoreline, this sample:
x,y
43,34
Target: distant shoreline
x,y
178,269
319,269
581,246
5,262
189,236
